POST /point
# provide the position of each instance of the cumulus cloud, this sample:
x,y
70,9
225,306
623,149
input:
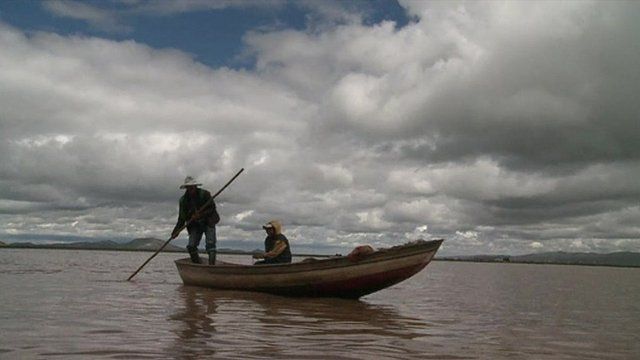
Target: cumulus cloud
x,y
110,19
101,19
502,127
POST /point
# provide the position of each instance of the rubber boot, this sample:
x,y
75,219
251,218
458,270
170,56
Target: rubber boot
x,y
212,258
195,258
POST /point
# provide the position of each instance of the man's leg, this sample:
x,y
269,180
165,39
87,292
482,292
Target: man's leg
x,y
195,235
210,243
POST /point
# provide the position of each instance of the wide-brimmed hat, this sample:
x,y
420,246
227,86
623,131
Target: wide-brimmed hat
x,y
275,225
189,181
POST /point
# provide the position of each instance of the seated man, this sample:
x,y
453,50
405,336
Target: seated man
x,y
276,245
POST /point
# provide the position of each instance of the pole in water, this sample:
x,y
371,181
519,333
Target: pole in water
x,y
185,225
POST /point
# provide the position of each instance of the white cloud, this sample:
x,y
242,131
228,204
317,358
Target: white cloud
x,y
336,174
115,19
499,126
99,18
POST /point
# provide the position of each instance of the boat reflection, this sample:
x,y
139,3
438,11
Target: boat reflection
x,y
210,321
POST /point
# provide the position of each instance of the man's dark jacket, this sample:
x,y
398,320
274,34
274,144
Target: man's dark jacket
x,y
190,204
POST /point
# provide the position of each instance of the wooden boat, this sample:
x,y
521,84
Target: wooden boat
x,y
340,276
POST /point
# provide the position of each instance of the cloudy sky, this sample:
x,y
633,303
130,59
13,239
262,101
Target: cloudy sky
x,y
503,127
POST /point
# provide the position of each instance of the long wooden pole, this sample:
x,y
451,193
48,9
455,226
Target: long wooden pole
x,y
174,235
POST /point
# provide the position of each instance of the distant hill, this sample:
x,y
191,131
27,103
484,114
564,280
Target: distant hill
x,y
151,244
611,259
629,259
2,244
140,244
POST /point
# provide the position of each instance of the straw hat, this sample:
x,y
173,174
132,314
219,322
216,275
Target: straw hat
x,y
276,225
189,181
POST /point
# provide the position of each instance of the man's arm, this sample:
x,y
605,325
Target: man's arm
x,y
182,219
210,211
207,211
277,249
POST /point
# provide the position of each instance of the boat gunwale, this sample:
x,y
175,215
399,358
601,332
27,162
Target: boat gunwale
x,y
382,255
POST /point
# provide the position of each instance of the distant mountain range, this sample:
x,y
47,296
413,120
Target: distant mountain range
x,y
628,259
140,244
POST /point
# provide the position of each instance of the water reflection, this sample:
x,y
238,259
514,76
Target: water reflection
x,y
197,318
254,324
456,310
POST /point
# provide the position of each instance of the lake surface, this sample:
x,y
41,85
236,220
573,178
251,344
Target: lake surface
x,y
61,304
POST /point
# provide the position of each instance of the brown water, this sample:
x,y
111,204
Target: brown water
x,y
58,304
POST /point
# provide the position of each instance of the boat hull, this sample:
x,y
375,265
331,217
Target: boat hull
x,y
334,277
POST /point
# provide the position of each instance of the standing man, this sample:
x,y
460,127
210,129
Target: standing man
x,y
203,222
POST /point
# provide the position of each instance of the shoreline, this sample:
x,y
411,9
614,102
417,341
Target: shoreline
x,y
242,252
226,252
537,263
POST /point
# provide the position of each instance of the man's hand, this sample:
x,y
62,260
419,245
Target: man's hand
x,y
174,234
